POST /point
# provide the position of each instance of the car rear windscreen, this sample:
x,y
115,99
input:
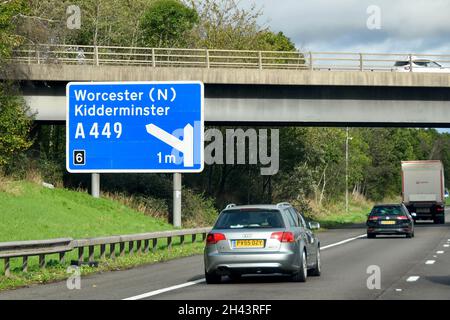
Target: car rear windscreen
x,y
401,63
255,218
387,211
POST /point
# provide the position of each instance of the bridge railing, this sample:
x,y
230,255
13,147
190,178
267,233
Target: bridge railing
x,y
140,243
158,57
214,58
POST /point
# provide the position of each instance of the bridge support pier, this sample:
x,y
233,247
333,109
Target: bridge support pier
x,y
95,185
176,211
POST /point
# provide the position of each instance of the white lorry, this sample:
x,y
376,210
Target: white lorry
x,y
423,189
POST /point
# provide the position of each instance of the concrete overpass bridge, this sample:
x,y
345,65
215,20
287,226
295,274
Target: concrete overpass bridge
x,y
250,87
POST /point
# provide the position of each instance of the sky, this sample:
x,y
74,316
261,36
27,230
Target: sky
x,y
418,26
396,26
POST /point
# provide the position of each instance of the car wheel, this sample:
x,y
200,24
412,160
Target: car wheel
x,y
370,235
409,235
302,273
316,271
212,277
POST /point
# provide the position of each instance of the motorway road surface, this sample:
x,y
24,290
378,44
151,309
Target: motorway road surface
x,y
417,268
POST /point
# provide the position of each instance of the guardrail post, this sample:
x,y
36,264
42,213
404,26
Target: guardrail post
x,y
42,261
194,238
146,246
62,257
169,242
130,248
207,58
139,246
181,240
7,268
122,249
153,58
91,254
112,250
80,255
203,236
38,56
97,62
176,215
310,61
360,62
155,244
102,251
25,264
260,66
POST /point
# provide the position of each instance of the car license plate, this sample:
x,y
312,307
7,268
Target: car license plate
x,y
422,210
249,243
387,222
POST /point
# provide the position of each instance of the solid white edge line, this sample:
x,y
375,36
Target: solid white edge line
x,y
191,283
342,242
156,292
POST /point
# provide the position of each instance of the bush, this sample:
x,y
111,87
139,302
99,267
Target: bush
x,y
197,210
147,205
15,126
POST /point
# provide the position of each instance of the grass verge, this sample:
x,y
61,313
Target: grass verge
x,y
334,215
32,212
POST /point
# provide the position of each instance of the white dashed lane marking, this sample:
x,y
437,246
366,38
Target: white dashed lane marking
x,y
412,279
430,261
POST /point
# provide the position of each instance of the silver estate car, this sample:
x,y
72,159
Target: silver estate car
x,y
261,239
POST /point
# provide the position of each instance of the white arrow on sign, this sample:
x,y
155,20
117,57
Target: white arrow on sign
x,y
186,146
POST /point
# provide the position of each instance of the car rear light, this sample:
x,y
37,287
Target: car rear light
x,y
213,238
439,209
283,236
374,218
402,218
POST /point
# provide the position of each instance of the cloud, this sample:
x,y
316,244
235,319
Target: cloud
x,y
340,25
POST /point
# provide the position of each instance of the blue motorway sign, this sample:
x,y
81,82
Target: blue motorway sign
x,y
134,127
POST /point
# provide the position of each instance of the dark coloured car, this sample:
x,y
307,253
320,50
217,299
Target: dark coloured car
x,y
390,219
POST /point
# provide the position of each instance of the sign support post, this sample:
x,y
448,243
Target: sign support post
x,y
95,185
176,213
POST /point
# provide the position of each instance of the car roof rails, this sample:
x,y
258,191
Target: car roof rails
x,y
231,205
284,204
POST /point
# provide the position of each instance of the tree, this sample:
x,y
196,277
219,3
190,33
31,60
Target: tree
x,y
9,40
271,41
15,125
224,24
166,23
